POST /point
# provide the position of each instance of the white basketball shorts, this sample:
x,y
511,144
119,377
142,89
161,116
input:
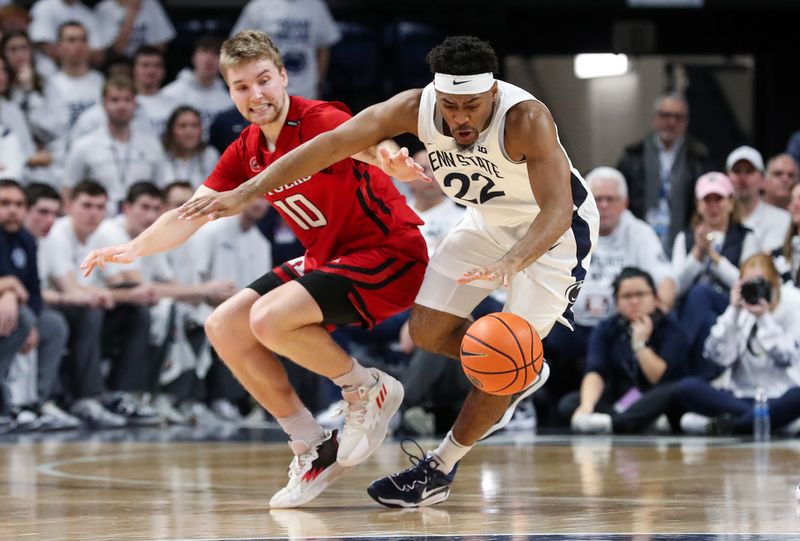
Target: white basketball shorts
x,y
541,293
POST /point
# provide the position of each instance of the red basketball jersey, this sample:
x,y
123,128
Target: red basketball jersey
x,y
347,207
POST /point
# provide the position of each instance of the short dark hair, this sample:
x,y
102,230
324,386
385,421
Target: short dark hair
x,y
632,272
147,50
71,22
89,187
142,188
10,183
40,190
463,55
118,82
208,42
115,60
174,185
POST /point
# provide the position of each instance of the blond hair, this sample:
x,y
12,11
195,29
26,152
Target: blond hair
x,y
247,46
765,263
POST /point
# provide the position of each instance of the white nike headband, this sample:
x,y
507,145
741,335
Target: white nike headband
x,y
463,84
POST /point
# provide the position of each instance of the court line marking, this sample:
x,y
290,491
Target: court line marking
x,y
678,536
50,468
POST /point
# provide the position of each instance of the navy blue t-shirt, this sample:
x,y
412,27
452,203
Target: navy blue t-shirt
x,y
610,354
18,258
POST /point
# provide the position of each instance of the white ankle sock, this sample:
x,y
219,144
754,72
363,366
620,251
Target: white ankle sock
x,y
450,452
302,426
357,377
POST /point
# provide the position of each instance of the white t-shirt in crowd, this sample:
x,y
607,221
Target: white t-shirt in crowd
x,y
196,169
299,28
758,352
95,116
113,164
153,268
209,100
633,243
156,109
770,224
61,253
12,161
13,118
151,26
226,252
47,16
66,98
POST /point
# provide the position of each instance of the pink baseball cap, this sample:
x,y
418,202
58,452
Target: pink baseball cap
x,y
713,182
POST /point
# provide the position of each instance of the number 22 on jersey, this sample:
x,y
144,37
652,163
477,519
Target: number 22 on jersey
x,y
486,192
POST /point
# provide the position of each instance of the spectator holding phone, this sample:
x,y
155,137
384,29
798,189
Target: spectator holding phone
x,y
757,341
630,359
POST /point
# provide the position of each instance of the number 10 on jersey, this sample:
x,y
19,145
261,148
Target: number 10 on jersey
x,y
301,211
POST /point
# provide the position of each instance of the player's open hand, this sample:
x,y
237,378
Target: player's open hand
x,y
122,254
401,166
503,271
213,206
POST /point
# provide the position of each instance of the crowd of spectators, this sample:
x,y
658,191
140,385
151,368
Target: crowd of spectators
x,y
94,146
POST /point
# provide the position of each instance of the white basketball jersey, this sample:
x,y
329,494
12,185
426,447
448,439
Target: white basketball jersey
x,y
483,178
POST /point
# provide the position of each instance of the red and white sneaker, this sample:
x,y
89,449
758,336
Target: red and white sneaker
x,y
312,470
368,410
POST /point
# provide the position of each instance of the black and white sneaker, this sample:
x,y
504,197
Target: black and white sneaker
x,y
419,486
6,424
312,470
94,414
516,399
134,409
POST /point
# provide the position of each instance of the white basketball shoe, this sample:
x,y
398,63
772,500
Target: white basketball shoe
x,y
368,410
312,470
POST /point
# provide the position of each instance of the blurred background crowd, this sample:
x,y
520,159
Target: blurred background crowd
x,y
114,111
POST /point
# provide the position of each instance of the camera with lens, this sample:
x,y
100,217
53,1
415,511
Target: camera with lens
x,y
755,290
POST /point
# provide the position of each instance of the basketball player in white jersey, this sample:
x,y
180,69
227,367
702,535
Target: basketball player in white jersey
x,y
530,225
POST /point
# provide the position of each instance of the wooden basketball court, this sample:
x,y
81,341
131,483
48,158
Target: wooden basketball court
x,y
176,484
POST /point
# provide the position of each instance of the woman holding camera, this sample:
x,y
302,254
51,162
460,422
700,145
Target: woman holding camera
x,y
757,341
706,260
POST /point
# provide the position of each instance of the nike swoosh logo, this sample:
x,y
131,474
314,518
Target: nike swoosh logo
x,y
460,82
428,493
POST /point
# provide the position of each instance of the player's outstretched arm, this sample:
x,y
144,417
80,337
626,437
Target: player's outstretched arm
x,y
531,136
368,128
165,234
394,161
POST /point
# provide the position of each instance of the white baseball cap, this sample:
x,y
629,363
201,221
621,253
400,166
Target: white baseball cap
x,y
745,153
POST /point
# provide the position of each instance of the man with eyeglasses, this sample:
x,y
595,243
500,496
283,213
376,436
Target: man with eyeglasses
x,y
632,358
661,169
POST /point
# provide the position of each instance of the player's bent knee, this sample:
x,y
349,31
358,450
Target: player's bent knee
x,y
425,336
266,324
214,327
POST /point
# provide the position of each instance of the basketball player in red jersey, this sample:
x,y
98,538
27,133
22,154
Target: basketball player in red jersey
x,y
365,261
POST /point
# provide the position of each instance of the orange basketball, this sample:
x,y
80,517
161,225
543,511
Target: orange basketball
x,y
501,354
